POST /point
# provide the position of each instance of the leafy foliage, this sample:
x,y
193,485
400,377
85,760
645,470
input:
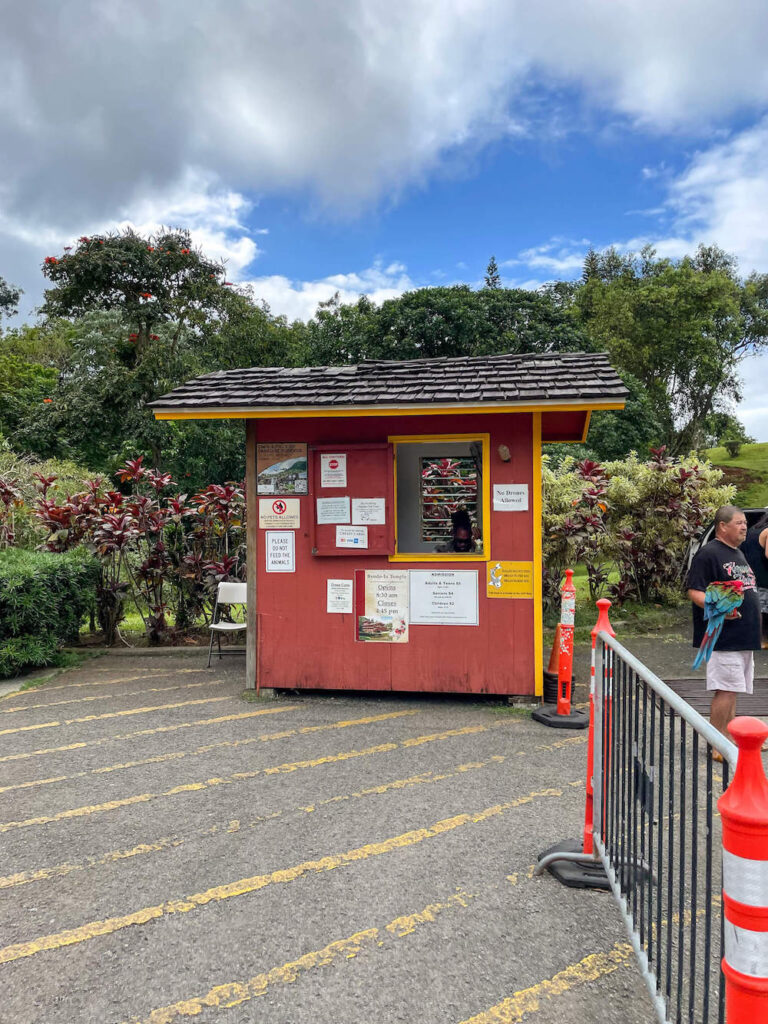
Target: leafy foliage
x,y
43,599
162,551
9,298
631,517
681,328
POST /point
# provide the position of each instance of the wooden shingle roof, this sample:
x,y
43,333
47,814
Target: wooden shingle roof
x,y
567,378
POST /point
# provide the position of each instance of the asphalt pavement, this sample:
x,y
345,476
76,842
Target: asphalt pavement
x,y
170,851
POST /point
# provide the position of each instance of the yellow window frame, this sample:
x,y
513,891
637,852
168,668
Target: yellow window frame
x,y
485,441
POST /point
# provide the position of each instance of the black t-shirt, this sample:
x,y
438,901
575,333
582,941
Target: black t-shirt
x,y
718,561
756,556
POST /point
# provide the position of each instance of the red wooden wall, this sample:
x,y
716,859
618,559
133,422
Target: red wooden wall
x,y
302,645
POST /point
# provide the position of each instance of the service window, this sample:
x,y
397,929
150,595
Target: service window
x,y
442,497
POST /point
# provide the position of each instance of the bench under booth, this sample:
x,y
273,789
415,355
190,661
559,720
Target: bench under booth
x,y
361,482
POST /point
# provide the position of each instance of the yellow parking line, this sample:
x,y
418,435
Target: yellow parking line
x,y
110,696
147,732
195,787
176,755
513,1009
115,714
233,827
235,993
254,883
103,682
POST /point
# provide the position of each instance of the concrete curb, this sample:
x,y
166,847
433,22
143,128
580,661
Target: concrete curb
x,y
151,652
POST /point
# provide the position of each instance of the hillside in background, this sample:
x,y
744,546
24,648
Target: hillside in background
x,y
748,471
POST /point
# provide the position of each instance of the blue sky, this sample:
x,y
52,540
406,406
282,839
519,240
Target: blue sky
x,y
368,147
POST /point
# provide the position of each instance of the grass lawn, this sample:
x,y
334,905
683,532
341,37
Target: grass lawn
x,y
748,471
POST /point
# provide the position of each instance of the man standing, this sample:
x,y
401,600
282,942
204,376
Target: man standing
x,y
730,669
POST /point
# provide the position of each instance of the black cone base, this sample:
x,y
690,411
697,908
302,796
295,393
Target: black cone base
x,y
547,715
575,876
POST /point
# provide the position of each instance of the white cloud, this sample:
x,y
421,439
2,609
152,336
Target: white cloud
x,y
298,300
559,256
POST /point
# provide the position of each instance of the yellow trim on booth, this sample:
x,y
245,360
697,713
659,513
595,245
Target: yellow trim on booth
x,y
586,426
538,611
351,412
485,440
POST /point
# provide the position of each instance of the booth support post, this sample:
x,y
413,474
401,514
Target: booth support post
x,y
251,560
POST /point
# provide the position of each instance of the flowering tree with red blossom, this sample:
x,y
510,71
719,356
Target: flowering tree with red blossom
x,y
152,281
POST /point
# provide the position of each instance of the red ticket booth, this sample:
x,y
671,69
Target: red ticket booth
x,y
362,482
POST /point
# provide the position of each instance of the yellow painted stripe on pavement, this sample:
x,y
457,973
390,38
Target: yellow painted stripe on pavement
x,y
116,714
235,993
235,826
245,886
104,682
109,696
112,805
528,1000
147,732
176,755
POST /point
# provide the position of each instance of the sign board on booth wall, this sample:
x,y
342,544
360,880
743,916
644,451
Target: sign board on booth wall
x,y
333,470
281,551
385,618
510,579
339,596
369,511
333,510
281,468
351,536
444,597
510,497
275,513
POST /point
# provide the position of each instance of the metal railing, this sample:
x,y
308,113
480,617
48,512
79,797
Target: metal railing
x,y
657,831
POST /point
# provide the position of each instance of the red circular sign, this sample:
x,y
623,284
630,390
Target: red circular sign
x,y
279,507
333,463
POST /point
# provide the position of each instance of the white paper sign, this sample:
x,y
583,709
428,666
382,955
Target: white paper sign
x,y
333,470
281,551
368,511
278,512
333,510
351,536
510,497
339,598
444,597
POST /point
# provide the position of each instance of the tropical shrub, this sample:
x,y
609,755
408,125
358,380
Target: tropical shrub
x,y
162,551
632,517
43,598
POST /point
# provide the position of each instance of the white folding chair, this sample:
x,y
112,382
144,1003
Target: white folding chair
x,y
226,594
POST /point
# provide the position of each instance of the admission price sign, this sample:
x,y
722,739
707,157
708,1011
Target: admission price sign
x,y
444,597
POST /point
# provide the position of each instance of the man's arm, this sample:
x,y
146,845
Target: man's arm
x,y
698,597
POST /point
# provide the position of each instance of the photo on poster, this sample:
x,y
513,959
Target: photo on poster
x,y
281,468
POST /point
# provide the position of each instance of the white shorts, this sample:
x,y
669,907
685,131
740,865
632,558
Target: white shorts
x,y
731,670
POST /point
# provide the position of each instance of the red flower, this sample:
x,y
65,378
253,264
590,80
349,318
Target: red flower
x,y
155,337
146,295
150,248
228,284
47,400
132,337
50,259
185,252
83,238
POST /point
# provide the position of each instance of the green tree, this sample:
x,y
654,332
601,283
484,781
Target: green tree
x,y
447,321
24,389
492,276
9,298
154,281
681,328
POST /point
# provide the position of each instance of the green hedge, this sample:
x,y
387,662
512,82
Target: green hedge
x,y
43,598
